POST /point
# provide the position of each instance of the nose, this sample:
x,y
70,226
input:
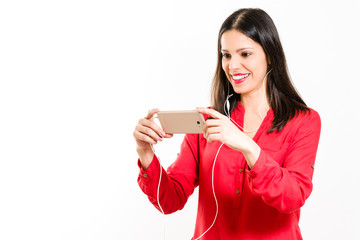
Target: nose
x,y
235,63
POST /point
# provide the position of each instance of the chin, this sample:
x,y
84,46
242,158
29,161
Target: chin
x,y
238,90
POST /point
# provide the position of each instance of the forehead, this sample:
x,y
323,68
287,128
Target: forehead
x,y
233,40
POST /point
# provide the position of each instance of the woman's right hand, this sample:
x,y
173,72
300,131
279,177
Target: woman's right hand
x,y
146,133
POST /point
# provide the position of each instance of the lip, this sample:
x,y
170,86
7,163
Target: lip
x,y
239,80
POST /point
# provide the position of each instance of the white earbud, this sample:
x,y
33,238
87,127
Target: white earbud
x,y
228,105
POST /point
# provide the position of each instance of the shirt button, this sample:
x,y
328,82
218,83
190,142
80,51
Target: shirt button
x,y
145,175
240,170
237,191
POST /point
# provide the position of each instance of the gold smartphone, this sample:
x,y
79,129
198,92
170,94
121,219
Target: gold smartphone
x,y
181,121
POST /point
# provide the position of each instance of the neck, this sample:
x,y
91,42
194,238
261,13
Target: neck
x,y
255,102
254,99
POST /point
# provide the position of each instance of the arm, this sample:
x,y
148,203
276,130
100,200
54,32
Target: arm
x,y
287,187
178,183
222,129
284,187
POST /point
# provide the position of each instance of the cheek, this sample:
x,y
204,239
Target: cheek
x,y
225,67
252,64
255,67
259,65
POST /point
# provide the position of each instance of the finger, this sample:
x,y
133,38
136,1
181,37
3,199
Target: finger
x,y
152,125
148,132
211,112
212,122
151,113
213,137
168,135
212,130
143,137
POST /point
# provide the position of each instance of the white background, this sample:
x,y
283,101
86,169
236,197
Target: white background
x,y
77,75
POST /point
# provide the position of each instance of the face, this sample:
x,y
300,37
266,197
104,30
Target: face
x,y
243,61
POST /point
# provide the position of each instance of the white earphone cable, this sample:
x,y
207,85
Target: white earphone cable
x,y
158,189
213,190
227,112
227,107
228,115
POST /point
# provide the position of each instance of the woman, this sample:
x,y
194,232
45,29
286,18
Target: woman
x,y
259,132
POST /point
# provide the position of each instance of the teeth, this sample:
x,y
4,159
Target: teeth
x,y
240,76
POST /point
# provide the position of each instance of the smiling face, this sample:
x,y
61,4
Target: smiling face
x,y
243,61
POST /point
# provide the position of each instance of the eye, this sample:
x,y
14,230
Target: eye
x,y
245,54
226,55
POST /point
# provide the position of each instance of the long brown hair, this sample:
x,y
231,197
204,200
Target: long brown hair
x,y
282,96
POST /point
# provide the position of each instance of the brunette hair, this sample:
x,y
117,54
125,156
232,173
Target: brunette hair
x,y
282,96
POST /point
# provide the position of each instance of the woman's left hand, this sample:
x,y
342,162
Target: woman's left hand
x,y
220,128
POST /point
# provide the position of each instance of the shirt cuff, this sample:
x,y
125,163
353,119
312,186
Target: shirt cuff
x,y
151,171
259,165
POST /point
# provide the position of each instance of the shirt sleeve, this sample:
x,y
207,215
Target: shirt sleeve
x,y
287,187
177,183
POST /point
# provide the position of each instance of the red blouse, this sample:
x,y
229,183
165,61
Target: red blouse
x,y
261,203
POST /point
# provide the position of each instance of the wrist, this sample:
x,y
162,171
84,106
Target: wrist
x,y
146,156
144,151
252,154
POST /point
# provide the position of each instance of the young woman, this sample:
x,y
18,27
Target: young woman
x,y
254,163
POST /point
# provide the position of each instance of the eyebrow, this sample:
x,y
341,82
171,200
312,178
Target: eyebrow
x,y
237,50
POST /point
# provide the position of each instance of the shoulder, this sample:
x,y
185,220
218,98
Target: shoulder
x,y
305,123
306,117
